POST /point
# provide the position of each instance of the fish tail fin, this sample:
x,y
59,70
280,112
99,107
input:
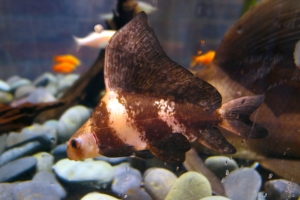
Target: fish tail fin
x,y
194,61
235,114
77,41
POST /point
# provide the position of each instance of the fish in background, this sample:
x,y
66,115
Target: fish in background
x,y
203,59
259,55
154,104
96,40
143,6
65,63
297,54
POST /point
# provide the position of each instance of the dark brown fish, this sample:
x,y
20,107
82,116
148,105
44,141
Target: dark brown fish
x,y
257,56
154,104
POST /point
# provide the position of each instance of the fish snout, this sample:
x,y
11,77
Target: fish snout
x,y
74,151
82,146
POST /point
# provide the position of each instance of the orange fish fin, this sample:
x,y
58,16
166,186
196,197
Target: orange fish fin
x,y
204,59
213,139
171,148
207,57
63,68
235,114
67,58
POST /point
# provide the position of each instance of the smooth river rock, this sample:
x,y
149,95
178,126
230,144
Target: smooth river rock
x,y
282,189
220,165
158,182
49,178
125,178
190,186
216,198
71,121
243,183
34,191
84,171
6,191
18,169
98,196
4,86
44,161
6,97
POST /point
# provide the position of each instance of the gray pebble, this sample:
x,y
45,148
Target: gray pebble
x,y
262,196
158,182
40,95
87,170
16,169
12,79
43,134
216,198
18,152
34,191
124,168
281,189
136,193
38,130
44,161
190,185
98,196
125,181
67,81
24,91
71,121
51,123
12,139
6,191
243,183
52,89
2,143
113,161
44,80
32,133
18,83
48,177
220,165
6,98
27,147
59,152
4,87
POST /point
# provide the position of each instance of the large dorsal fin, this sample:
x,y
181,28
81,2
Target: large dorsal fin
x,y
135,62
258,53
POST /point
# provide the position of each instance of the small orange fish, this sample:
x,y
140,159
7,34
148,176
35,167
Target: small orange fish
x,y
67,58
203,59
63,67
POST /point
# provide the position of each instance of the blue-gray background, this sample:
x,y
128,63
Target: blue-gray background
x,y
33,31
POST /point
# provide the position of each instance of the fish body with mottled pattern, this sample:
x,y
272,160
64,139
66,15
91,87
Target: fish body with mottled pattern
x,y
154,104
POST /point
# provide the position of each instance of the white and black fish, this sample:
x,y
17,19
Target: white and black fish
x,y
154,104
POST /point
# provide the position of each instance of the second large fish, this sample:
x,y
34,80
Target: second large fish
x,y
154,104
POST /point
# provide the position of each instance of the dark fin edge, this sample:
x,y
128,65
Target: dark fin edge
x,y
213,139
171,148
135,62
235,114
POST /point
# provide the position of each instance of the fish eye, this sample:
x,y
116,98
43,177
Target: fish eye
x,y
75,143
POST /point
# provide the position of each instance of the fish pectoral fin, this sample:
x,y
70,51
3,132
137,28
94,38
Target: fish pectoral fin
x,y
144,154
213,139
171,148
